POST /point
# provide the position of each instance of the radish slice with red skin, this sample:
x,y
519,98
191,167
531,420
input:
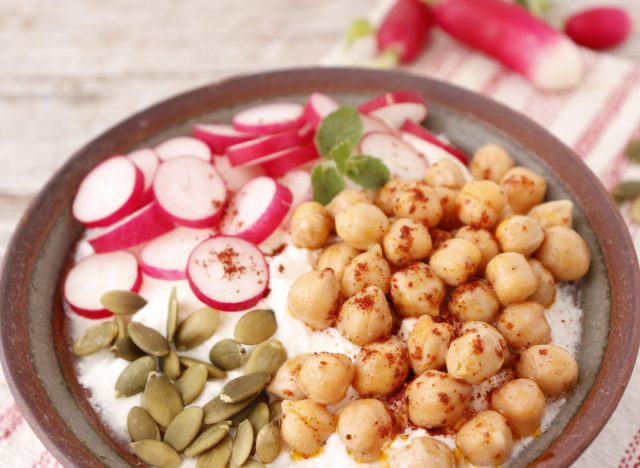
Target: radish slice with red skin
x,y
599,28
299,184
433,153
141,226
401,158
97,274
284,161
396,107
254,151
183,146
256,210
190,192
112,190
220,136
423,133
268,119
373,124
235,177
147,161
404,29
318,107
228,273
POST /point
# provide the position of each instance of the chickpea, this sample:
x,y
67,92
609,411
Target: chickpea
x,y
337,256
506,212
522,402
387,195
285,383
424,452
420,202
381,368
474,326
416,291
524,188
491,162
448,199
438,237
520,234
367,269
553,213
550,366
362,225
484,240
512,278
305,426
545,294
524,325
326,377
428,343
347,198
363,427
485,439
365,317
456,261
406,241
474,301
445,173
313,298
435,399
564,253
311,225
475,356
480,203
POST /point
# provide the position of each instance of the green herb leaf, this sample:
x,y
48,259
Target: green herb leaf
x,y
627,190
367,171
326,181
340,154
537,7
358,29
633,150
343,124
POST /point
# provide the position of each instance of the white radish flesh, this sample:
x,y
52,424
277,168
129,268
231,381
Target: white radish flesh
x,y
268,119
373,124
433,153
402,160
318,107
220,136
396,107
147,161
424,134
235,177
183,146
284,161
299,184
255,151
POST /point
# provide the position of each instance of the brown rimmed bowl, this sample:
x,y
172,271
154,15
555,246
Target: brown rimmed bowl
x,y
35,354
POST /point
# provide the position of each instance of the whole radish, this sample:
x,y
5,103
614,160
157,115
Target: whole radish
x,y
404,29
600,27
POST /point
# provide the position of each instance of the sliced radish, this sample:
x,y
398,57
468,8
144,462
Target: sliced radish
x,y
404,29
256,210
373,124
141,226
396,107
220,136
400,157
228,273
112,190
166,256
183,146
433,153
235,177
318,107
97,274
254,151
281,163
268,119
299,184
421,132
190,191
147,161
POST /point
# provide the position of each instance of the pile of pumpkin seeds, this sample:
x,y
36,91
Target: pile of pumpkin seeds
x,y
629,190
230,428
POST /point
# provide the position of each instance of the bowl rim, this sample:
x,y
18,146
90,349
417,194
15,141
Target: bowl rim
x,y
603,217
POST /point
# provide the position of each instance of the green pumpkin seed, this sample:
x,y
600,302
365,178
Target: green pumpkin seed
x,y
184,428
126,349
212,370
633,150
244,414
243,443
207,439
250,463
141,425
275,411
217,410
243,387
172,315
191,383
256,326
227,354
635,211
161,399
122,302
121,326
133,378
95,338
148,340
259,416
627,190
156,453
197,328
268,443
217,457
171,365
266,357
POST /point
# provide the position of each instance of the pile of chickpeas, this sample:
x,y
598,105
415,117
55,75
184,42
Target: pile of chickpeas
x,y
473,263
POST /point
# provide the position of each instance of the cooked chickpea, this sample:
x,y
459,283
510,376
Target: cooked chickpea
x,y
445,173
285,383
421,202
553,213
362,225
365,317
507,212
406,241
473,326
448,198
456,261
520,234
545,293
550,366
381,368
387,195
311,225
436,399
416,291
438,237
485,440
305,426
337,256
475,356
363,427
313,298
474,301
367,269
326,377
524,325
491,162
480,203
428,343
522,402
423,452
524,188
564,253
512,278
484,240
347,198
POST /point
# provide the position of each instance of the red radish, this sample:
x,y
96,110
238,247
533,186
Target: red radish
x,y
254,151
404,29
396,107
281,163
373,124
515,37
400,157
600,27
220,136
256,210
228,273
166,257
268,119
299,184
147,161
318,107
421,132
235,177
433,153
112,190
183,146
97,274
141,226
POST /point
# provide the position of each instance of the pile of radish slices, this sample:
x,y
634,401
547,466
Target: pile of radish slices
x,y
198,207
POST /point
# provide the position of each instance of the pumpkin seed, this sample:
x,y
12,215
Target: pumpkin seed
x,y
207,439
266,357
171,365
268,443
243,443
227,354
161,399
244,414
217,457
217,410
250,463
122,302
627,190
259,416
184,428
191,383
212,370
635,211
633,150
275,411
95,338
148,340
121,326
256,326
126,349
197,328
141,425
133,378
156,453
243,387
172,315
